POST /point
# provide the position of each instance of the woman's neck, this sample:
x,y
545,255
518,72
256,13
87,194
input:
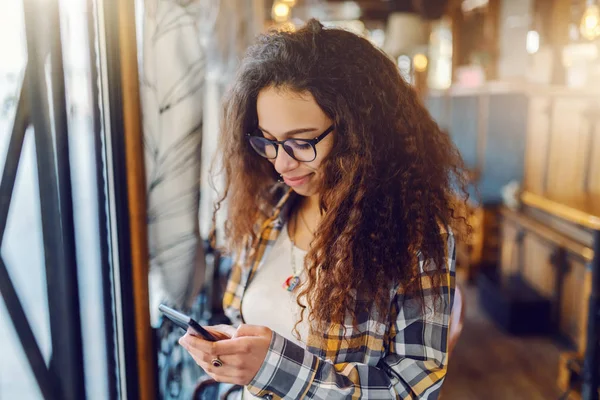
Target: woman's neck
x,y
310,205
304,222
310,212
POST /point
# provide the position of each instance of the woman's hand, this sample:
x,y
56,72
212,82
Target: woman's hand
x,y
221,332
242,355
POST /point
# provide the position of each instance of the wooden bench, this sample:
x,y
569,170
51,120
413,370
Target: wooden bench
x,y
583,210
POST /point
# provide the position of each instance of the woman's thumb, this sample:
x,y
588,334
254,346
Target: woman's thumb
x,y
251,330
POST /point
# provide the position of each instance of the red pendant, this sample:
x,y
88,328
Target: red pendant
x,y
291,283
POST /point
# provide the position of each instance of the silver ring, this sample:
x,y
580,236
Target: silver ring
x,y
216,362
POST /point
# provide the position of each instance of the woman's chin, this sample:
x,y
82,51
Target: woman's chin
x,y
304,190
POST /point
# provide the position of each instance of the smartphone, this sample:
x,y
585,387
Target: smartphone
x,y
184,322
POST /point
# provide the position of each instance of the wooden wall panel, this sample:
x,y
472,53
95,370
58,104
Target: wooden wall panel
x,y
584,289
509,249
568,286
574,299
594,178
537,143
568,145
463,125
537,269
502,153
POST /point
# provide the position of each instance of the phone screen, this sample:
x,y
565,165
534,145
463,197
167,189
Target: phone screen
x,y
184,322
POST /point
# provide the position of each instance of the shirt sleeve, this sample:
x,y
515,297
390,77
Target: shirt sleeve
x,y
414,367
232,298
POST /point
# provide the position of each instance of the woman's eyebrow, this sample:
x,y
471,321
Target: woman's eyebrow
x,y
290,133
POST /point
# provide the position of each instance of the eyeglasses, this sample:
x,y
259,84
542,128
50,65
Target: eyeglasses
x,y
302,150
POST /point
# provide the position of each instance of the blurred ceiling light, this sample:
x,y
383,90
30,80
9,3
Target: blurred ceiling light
x,y
590,22
290,3
280,12
533,42
420,62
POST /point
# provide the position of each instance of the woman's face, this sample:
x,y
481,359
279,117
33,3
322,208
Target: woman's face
x,y
284,114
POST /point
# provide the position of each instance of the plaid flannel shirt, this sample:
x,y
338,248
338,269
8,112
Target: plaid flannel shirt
x,y
402,357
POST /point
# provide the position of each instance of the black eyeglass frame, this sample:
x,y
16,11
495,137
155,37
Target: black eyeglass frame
x,y
276,143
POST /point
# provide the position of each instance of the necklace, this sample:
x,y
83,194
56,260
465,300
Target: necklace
x,y
293,280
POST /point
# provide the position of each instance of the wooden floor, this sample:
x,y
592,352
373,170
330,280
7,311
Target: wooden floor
x,y
488,364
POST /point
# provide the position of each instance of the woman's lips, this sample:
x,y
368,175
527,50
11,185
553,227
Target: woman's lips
x,y
296,181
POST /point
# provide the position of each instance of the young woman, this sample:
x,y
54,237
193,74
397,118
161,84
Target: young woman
x,y
340,189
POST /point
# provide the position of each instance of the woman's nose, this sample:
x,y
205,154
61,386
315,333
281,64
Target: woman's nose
x,y
284,162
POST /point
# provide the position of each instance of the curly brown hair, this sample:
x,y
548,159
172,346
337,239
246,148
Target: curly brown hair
x,y
391,179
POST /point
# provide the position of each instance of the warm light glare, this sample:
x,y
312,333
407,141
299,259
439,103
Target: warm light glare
x,y
287,27
290,3
281,12
533,42
590,23
420,62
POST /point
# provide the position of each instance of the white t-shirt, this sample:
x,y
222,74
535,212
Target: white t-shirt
x,y
267,303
